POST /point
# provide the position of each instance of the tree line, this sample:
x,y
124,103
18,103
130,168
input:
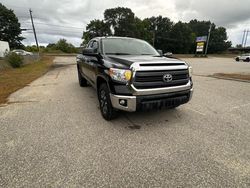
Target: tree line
x,y
160,31
60,46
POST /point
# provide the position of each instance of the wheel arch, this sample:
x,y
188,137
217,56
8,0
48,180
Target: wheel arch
x,y
100,80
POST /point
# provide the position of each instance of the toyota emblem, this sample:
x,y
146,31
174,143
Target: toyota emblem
x,y
167,77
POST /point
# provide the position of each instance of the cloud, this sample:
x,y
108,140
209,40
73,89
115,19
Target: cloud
x,y
50,16
222,12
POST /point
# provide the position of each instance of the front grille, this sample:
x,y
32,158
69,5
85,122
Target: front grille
x,y
161,101
154,79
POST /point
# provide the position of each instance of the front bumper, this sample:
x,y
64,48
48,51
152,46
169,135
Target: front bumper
x,y
149,102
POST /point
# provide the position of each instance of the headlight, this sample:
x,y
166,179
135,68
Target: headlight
x,y
190,71
120,75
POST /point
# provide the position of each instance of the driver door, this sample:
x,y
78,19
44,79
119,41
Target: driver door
x,y
90,63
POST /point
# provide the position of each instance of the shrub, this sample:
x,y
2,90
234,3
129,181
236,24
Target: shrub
x,y
65,47
14,60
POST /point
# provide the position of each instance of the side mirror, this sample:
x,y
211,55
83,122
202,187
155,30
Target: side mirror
x,y
168,54
91,52
160,52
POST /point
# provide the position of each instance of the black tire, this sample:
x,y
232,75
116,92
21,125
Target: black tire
x,y
237,59
107,110
247,59
82,81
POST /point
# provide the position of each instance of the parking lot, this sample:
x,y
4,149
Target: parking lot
x,y
52,134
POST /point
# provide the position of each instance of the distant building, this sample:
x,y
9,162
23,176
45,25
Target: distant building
x,y
4,48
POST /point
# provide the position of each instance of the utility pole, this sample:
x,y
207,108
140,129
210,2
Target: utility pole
x,y
209,32
153,38
34,31
243,38
246,39
155,29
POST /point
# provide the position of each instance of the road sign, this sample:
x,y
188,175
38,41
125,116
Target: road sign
x,y
200,46
201,39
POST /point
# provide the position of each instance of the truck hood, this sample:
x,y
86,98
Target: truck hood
x,y
127,60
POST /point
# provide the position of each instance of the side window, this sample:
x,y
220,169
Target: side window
x,y
90,44
94,45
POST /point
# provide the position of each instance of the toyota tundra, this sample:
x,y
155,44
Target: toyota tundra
x,y
130,75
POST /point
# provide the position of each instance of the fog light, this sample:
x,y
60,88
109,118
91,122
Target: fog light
x,y
123,102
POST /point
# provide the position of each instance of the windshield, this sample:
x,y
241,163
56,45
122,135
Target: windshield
x,y
127,46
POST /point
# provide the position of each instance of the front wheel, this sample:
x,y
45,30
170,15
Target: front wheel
x,y
237,59
107,110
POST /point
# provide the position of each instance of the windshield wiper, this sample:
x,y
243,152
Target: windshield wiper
x,y
118,54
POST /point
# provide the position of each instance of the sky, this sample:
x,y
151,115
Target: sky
x,y
68,18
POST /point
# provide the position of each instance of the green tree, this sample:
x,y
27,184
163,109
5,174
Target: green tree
x,y
66,47
122,20
32,48
200,28
161,28
51,45
218,41
182,36
142,30
96,28
10,30
166,35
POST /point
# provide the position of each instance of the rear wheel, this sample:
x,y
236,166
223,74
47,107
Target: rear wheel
x,y
107,110
237,59
82,81
247,59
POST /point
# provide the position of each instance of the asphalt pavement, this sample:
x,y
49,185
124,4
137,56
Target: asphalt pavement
x,y
52,135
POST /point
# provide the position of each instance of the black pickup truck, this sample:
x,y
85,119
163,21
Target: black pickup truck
x,y
130,75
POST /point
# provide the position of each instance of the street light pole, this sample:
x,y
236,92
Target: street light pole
x,y
209,32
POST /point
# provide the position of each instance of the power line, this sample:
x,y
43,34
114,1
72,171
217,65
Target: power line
x,y
66,30
40,23
44,31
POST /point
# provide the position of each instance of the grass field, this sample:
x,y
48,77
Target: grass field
x,y
14,79
3,64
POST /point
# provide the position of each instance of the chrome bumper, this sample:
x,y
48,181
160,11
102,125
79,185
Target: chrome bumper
x,y
131,102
